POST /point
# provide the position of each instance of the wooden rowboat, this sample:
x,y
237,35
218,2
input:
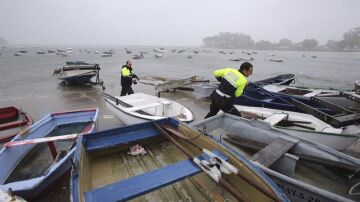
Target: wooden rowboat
x,y
160,169
28,169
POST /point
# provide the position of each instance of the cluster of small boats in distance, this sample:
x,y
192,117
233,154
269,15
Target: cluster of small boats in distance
x,y
290,144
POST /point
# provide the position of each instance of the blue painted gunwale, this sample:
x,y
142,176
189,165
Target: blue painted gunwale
x,y
13,155
103,140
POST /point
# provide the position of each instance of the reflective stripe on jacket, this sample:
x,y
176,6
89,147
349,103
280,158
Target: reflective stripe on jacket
x,y
233,82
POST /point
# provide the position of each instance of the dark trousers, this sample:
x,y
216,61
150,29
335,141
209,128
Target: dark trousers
x,y
126,89
221,103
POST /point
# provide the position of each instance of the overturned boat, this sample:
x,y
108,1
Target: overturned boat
x,y
140,107
163,160
292,162
77,72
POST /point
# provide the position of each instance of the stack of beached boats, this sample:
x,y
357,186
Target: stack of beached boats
x,y
327,116
158,157
304,169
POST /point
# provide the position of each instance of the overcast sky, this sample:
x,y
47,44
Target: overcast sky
x,y
172,22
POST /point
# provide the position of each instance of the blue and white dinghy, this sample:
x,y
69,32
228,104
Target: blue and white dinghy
x,y
27,166
163,160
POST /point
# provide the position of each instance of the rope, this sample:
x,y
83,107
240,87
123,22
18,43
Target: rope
x,y
352,189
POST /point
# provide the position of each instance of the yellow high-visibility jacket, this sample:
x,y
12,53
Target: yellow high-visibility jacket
x,y
233,82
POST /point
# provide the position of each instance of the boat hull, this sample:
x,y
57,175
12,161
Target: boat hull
x,y
77,77
111,145
306,126
261,132
140,107
11,157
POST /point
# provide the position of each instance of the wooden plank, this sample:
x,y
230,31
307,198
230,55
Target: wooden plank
x,y
174,84
42,140
276,118
272,152
145,183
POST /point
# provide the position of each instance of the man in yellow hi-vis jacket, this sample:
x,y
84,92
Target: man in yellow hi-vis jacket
x,y
127,79
232,85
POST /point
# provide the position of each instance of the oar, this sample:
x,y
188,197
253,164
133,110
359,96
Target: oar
x,y
244,177
43,140
210,171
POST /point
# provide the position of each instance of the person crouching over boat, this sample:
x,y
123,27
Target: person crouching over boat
x,y
232,85
127,79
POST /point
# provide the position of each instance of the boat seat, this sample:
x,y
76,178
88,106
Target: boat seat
x,y
274,151
107,140
147,182
276,118
145,106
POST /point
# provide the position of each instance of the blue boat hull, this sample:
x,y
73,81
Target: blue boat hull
x,y
11,157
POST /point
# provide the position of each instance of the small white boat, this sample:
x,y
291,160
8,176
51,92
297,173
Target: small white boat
x,y
140,107
275,60
106,54
77,72
300,91
159,55
305,126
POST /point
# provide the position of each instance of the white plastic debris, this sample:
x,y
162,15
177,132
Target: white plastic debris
x,y
137,150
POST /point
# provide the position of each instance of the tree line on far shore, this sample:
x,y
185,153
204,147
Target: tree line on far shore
x,y
350,42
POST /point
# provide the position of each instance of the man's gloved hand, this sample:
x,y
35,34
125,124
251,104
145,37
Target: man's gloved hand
x,y
135,81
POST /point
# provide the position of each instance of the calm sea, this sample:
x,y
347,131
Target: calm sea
x,y
26,81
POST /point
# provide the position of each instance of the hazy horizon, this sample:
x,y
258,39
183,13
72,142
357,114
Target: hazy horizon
x,y
168,23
